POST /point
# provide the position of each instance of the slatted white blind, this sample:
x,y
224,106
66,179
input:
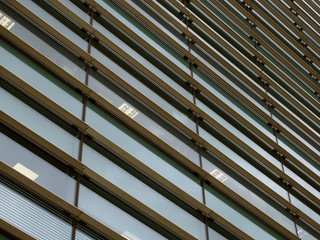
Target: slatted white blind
x,y
39,221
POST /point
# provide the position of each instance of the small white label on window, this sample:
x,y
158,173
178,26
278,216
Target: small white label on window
x,y
219,175
26,171
6,22
128,110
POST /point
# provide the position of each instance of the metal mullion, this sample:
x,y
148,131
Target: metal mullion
x,y
113,148
269,48
83,170
83,117
284,22
316,6
191,165
233,51
280,158
303,15
298,22
281,43
88,91
261,57
256,70
47,195
146,71
205,218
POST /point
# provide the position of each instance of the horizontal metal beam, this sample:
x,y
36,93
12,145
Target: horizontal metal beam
x,y
258,55
234,91
123,155
284,22
205,91
94,177
301,59
14,231
297,22
296,8
247,62
142,131
45,194
107,144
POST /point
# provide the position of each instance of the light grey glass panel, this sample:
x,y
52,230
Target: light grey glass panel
x,y
27,214
38,122
161,22
232,103
293,173
305,232
17,63
79,8
144,116
237,216
313,213
232,126
298,154
215,235
141,191
142,31
45,45
142,150
139,53
296,132
248,192
80,235
55,20
216,11
38,166
114,217
143,85
83,233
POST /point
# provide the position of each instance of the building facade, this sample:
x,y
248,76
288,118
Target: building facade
x,y
167,119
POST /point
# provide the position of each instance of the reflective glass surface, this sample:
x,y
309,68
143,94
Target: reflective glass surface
x,y
47,13
45,44
38,120
143,115
142,150
237,216
99,205
118,173
40,79
37,165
